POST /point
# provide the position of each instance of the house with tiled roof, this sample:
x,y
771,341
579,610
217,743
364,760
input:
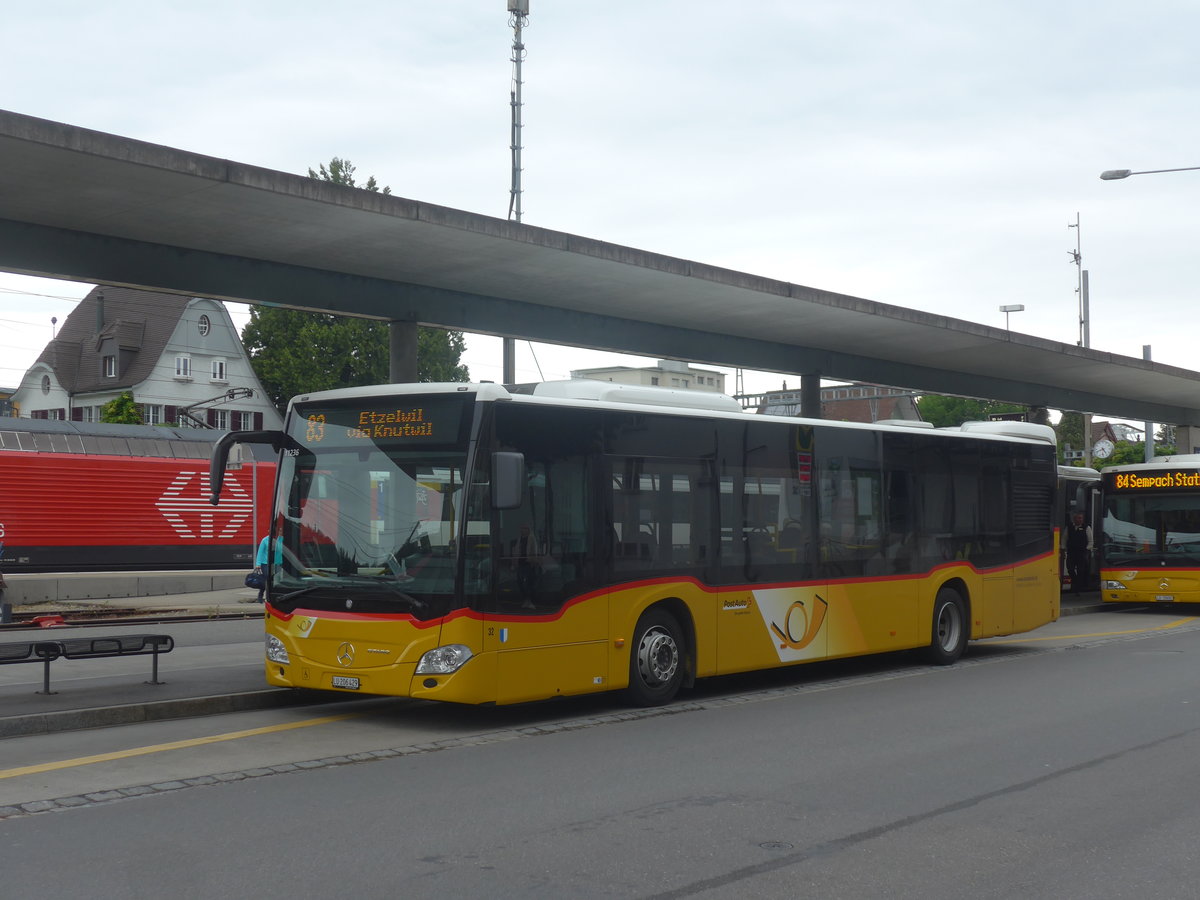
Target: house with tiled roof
x,y
180,356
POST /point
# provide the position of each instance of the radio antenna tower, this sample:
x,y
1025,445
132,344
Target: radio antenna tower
x,y
1085,325
518,18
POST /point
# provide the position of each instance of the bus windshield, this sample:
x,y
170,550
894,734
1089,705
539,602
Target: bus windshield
x,y
1152,529
368,519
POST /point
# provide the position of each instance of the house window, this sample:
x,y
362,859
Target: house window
x,y
654,379
110,367
220,419
91,413
45,384
218,370
152,413
243,421
183,367
204,325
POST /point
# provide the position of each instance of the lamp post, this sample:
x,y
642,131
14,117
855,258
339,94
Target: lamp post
x,y
1011,308
1118,174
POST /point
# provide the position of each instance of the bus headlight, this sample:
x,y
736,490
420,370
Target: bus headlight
x,y
444,660
1113,586
276,652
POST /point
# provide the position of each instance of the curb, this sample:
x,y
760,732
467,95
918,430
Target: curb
x,y
158,710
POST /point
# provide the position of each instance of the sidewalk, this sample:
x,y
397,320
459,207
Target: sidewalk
x,y
1085,602
215,667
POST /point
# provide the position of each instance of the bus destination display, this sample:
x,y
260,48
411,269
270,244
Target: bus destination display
x,y
431,420
1165,479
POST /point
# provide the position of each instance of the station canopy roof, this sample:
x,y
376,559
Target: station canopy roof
x,y
88,206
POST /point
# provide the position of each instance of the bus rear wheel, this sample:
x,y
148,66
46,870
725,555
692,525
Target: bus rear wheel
x,y
656,663
950,631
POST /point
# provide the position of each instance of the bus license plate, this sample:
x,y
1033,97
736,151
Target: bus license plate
x,y
1164,598
345,681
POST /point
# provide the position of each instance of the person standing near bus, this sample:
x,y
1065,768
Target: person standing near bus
x,y
262,560
1079,549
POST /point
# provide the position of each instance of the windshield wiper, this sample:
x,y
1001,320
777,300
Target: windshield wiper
x,y
382,581
356,582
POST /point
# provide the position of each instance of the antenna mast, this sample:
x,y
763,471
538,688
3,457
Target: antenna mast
x,y
518,18
1085,337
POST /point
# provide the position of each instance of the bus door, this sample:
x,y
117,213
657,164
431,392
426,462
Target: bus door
x,y
544,620
774,610
867,545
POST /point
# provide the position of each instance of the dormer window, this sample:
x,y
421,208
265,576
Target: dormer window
x,y
110,367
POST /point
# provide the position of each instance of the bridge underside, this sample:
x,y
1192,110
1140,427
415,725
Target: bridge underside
x,y
88,206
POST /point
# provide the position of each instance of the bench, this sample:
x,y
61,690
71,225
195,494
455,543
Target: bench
x,y
46,652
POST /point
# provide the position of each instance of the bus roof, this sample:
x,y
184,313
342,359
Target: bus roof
x,y
612,395
1175,461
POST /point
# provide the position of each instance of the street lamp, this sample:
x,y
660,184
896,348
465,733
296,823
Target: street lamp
x,y
1011,308
1117,174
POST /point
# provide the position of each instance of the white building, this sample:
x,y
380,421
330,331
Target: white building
x,y
181,358
668,373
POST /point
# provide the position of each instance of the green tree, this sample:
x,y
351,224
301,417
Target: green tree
x,y
122,410
1124,453
294,352
1070,434
946,412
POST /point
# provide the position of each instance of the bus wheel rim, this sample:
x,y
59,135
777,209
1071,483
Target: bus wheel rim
x,y
658,657
949,626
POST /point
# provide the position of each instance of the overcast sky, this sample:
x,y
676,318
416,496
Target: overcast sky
x,y
929,154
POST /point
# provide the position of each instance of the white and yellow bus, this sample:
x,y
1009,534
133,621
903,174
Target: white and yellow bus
x,y
1150,547
482,544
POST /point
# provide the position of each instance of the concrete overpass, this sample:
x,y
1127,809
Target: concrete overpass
x,y
88,206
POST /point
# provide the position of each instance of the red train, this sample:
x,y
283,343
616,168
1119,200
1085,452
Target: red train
x,y
79,497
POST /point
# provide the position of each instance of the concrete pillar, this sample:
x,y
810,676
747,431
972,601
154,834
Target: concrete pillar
x,y
1187,438
402,352
810,396
508,361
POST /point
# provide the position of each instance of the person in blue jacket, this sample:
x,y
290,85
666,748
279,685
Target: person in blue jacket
x,y
262,559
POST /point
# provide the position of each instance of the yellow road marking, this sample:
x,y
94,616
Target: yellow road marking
x,y
1097,634
173,745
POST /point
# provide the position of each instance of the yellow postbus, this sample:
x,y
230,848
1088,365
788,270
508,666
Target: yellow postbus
x,y
482,544
1150,546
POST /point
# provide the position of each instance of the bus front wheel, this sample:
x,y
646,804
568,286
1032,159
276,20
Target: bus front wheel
x,y
656,663
950,631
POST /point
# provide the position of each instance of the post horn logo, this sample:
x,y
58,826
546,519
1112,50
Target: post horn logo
x,y
800,625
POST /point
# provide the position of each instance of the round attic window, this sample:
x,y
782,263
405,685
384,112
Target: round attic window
x,y
45,384
204,325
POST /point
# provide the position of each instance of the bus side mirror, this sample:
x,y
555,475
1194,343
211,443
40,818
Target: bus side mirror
x,y
508,480
220,454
